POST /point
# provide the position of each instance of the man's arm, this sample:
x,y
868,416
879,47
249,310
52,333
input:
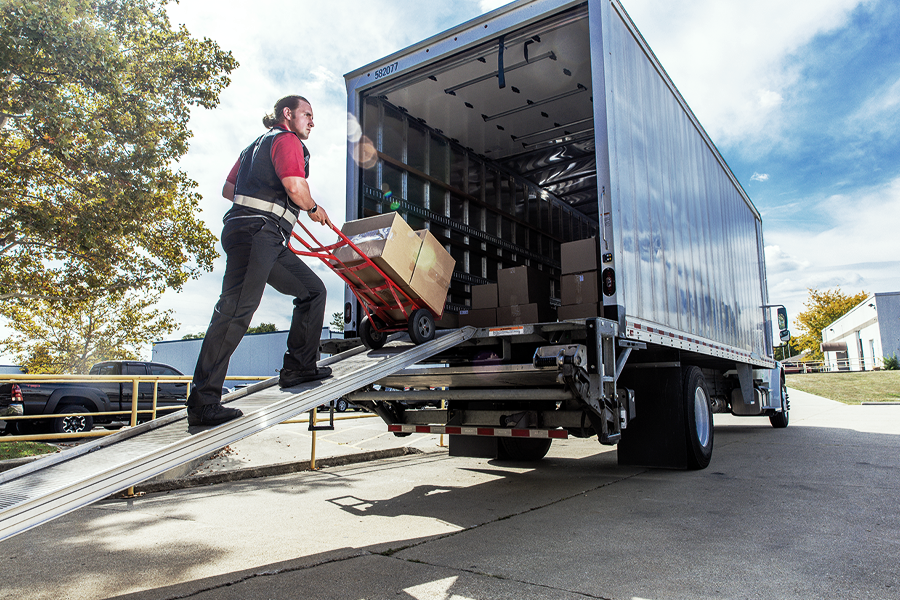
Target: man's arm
x,y
228,191
231,181
298,191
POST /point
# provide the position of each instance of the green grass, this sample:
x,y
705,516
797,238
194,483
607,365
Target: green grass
x,y
849,388
19,449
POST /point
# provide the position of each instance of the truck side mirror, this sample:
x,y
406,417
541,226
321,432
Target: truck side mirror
x,y
784,334
782,320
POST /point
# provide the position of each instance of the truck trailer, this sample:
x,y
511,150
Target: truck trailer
x,y
546,122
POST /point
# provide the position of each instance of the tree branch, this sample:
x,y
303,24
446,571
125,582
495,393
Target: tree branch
x,y
51,298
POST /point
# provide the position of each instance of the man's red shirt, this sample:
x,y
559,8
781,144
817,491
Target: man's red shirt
x,y
287,156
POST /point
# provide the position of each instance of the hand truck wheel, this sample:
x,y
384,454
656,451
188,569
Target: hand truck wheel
x,y
421,326
371,339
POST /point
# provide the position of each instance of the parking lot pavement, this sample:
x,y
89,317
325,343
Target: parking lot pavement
x,y
355,433
803,512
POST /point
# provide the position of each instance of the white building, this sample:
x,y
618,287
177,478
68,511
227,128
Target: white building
x,y
860,340
258,354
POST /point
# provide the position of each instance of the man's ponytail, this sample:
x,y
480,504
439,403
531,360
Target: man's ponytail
x,y
277,116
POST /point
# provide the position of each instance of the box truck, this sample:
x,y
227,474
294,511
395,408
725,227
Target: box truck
x,y
545,139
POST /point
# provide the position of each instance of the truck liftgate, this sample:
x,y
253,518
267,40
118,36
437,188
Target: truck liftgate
x,y
58,484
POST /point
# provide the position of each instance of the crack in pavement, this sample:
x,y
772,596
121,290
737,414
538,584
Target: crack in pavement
x,y
391,552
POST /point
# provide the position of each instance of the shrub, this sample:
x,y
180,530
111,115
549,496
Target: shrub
x,y
891,363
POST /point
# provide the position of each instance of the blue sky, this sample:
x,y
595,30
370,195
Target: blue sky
x,y
802,99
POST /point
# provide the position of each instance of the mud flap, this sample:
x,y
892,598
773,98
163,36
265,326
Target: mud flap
x,y
657,436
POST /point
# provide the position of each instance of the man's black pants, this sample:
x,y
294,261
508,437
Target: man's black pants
x,y
257,255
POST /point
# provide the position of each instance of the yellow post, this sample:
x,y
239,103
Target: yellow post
x,y
134,401
155,396
443,407
312,453
134,409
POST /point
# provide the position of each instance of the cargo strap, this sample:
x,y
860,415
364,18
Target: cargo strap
x,y
282,212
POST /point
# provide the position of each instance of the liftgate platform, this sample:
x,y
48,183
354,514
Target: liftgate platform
x,y
60,483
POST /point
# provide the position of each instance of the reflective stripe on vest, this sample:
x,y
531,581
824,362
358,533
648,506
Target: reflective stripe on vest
x,y
278,210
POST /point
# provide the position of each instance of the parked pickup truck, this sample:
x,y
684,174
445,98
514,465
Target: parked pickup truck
x,y
68,398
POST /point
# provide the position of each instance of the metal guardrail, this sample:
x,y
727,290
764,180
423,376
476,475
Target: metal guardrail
x,y
844,365
136,380
133,413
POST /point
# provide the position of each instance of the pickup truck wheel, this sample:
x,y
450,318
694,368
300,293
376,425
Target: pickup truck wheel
x,y
371,339
698,419
72,424
524,449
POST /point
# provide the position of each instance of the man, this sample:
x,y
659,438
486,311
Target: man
x,y
268,188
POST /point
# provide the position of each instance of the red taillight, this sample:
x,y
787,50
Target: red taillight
x,y
17,393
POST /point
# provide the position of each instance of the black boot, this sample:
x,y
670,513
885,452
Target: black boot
x,y
212,414
290,378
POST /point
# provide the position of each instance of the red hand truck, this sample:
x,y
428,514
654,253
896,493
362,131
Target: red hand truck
x,y
382,302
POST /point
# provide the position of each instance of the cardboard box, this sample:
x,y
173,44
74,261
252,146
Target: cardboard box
x,y
578,311
579,288
522,285
431,275
579,256
479,317
484,296
523,314
449,320
386,239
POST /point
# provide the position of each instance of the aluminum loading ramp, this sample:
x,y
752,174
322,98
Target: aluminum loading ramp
x,y
58,484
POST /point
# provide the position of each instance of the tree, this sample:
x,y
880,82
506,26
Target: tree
x,y
95,98
823,309
71,337
263,328
337,321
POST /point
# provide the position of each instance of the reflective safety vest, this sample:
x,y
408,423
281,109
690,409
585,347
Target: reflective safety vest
x,y
258,190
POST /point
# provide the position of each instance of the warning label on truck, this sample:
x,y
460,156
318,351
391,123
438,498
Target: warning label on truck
x,y
506,331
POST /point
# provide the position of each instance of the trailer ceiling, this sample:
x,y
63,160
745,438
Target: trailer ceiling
x,y
538,125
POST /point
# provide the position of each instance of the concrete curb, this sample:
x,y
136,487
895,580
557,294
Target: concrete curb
x,y
266,471
12,463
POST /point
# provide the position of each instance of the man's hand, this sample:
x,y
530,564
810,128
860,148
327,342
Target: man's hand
x,y
320,216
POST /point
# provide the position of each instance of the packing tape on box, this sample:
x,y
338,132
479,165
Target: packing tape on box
x,y
371,236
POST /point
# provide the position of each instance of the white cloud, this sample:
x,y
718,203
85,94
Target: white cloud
x,y
289,48
489,5
729,58
880,112
759,177
858,250
769,99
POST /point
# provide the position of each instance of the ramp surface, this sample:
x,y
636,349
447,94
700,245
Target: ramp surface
x,y
55,485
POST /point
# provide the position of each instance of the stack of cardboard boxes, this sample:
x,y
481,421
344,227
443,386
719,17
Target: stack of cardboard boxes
x,y
580,283
521,295
414,260
483,312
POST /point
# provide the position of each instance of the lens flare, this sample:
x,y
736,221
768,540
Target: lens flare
x,y
354,131
389,196
364,153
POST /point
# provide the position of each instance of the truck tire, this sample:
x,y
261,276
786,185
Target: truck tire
x,y
524,449
340,405
421,326
780,419
72,424
698,419
371,339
